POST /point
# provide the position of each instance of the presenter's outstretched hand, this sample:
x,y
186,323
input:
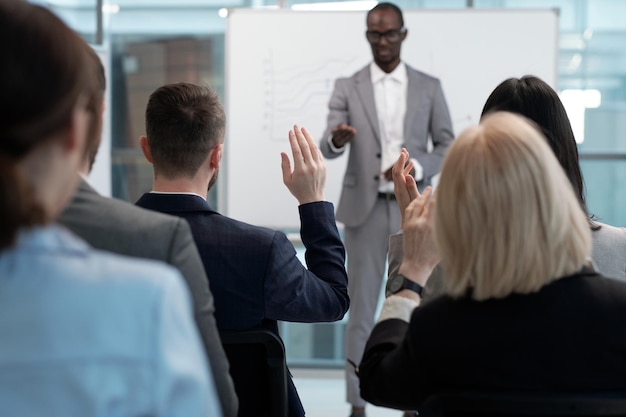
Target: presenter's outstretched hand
x,y
307,179
343,134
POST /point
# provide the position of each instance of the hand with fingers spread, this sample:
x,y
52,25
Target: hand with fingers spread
x,y
404,186
307,179
420,255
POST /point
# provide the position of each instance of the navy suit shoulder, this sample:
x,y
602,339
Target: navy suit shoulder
x,y
256,276
259,268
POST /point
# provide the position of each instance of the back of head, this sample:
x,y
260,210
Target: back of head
x,y
183,122
42,79
507,220
535,99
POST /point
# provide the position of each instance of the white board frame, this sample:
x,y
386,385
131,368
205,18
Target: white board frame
x,y
281,66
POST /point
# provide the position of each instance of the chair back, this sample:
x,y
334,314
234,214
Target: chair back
x,y
503,404
259,372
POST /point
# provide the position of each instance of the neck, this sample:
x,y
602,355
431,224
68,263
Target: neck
x,y
180,185
388,67
85,168
52,176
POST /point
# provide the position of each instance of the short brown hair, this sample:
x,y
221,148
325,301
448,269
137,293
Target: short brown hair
x,y
184,122
506,219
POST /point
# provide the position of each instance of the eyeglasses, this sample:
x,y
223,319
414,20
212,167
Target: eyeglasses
x,y
391,35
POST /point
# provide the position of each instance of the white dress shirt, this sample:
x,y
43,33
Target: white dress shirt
x,y
390,96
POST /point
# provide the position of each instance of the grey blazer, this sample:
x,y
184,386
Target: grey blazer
x,y
120,227
609,251
352,102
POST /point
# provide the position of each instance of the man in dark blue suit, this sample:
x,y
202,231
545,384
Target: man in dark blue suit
x,y
256,277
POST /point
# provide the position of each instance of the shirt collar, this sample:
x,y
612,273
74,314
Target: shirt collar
x,y
399,74
177,193
52,237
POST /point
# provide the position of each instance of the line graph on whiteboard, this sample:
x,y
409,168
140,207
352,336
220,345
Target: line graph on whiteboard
x,y
299,93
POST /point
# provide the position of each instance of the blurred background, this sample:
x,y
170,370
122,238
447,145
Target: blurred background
x,y
147,43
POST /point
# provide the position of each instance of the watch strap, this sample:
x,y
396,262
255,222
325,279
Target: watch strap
x,y
407,284
413,286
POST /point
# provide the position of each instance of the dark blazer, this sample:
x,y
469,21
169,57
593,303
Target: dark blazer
x,y
117,226
567,337
352,102
256,276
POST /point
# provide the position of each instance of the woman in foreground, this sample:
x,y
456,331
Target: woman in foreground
x,y
84,333
522,310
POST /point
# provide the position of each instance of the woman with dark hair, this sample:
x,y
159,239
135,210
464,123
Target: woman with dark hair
x,y
84,333
535,99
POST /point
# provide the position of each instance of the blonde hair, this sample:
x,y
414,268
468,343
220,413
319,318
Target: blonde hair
x,y
506,220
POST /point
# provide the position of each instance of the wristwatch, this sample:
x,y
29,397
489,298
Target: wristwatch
x,y
399,282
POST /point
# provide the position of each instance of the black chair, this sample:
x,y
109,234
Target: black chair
x,y
504,404
259,371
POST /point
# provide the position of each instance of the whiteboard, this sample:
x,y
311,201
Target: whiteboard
x,y
281,66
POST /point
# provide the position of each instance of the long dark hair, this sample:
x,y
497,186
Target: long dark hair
x,y
43,76
533,98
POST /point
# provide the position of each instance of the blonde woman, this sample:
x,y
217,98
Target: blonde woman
x,y
521,306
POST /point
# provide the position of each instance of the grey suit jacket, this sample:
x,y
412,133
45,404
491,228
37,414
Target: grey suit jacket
x,y
352,102
120,227
609,251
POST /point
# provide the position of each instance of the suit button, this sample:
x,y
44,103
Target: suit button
x,y
376,177
378,155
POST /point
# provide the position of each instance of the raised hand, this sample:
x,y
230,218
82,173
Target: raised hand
x,y
420,255
343,134
404,186
307,179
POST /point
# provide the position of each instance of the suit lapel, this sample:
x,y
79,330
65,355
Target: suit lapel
x,y
365,89
412,99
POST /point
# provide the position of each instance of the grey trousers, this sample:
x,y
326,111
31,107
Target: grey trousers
x,y
366,247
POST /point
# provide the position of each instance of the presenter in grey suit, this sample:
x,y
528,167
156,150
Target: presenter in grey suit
x,y
383,107
120,227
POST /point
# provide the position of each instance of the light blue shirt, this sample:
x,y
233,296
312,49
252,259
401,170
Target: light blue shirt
x,y
86,333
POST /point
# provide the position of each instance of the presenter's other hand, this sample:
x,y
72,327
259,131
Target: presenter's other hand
x,y
419,253
343,134
388,174
404,186
307,178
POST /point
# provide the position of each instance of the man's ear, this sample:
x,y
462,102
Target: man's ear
x,y
216,155
145,148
